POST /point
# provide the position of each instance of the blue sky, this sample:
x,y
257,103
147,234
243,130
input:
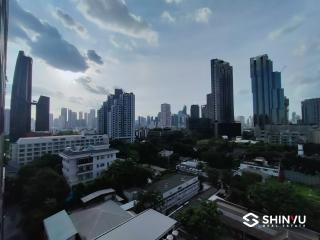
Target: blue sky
x,y
160,49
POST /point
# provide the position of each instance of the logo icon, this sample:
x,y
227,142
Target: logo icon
x,y
250,219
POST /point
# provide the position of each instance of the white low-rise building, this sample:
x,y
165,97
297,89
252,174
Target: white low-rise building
x,y
192,166
28,149
260,166
176,189
80,165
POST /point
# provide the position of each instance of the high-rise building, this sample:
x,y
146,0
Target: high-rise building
x,y
165,115
6,121
50,121
42,114
92,119
310,109
3,63
20,114
220,100
269,103
116,117
63,118
194,111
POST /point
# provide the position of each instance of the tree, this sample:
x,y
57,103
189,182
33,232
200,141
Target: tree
x,y
216,159
213,176
148,200
202,221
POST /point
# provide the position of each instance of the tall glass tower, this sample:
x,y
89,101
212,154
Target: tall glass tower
x,y
269,105
220,100
20,114
42,114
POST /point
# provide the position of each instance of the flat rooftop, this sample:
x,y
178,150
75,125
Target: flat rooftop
x,y
70,153
170,182
27,139
149,225
59,226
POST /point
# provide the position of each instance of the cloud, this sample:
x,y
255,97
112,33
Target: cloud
x,y
167,17
114,15
202,15
86,82
93,56
173,1
70,23
243,92
116,42
44,40
290,27
312,48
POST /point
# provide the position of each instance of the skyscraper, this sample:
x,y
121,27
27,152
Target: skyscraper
x,y
165,115
20,114
269,102
116,116
42,114
92,119
63,118
310,109
194,111
220,100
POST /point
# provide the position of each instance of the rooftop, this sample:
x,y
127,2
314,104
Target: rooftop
x,y
149,225
98,219
74,152
59,226
96,194
27,139
170,182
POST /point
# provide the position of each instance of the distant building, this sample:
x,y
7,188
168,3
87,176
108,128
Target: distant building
x,y
269,103
28,149
80,165
116,117
7,121
50,121
165,153
42,114
165,115
92,119
194,111
310,109
261,167
64,118
20,110
176,189
220,101
191,166
286,134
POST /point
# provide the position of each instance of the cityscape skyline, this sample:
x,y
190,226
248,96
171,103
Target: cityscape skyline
x,y
144,63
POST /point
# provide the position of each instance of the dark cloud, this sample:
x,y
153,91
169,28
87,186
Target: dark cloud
x,y
44,40
69,22
86,82
93,56
114,15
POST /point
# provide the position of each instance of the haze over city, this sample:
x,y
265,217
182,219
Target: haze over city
x,y
161,50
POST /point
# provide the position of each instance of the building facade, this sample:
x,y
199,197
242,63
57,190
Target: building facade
x,y
220,101
165,116
176,189
310,109
26,150
195,111
81,165
42,114
116,117
20,111
269,103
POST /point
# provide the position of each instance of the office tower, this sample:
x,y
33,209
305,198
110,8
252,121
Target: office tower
x,y
20,114
116,117
92,119
6,121
50,121
270,106
220,100
184,110
80,115
165,115
310,109
194,111
204,111
42,114
63,118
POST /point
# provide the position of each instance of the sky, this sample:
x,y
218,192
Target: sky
x,y
161,49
